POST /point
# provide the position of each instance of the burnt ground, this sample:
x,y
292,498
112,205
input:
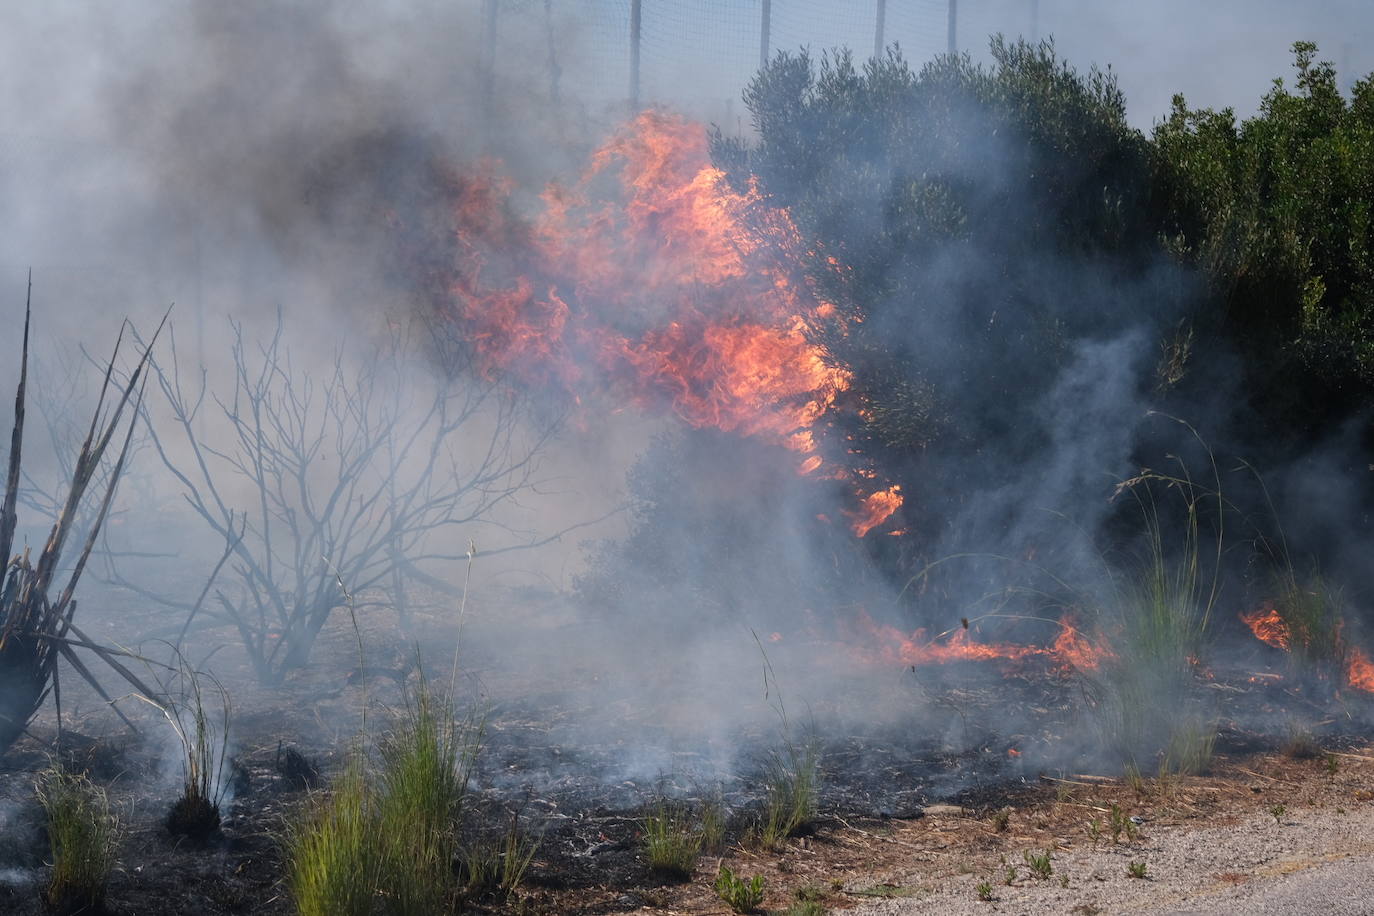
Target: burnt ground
x,y
913,770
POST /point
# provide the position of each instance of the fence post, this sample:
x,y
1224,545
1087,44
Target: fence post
x,y
488,58
634,55
555,71
764,25
878,31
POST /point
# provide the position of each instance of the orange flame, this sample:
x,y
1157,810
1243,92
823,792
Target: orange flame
x,y
652,280
1359,671
876,509
1268,627
1271,629
1070,651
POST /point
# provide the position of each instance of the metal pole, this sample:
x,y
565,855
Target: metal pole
x,y
555,71
634,55
489,60
763,32
878,31
953,26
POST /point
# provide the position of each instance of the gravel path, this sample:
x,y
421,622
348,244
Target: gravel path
x,y
1317,861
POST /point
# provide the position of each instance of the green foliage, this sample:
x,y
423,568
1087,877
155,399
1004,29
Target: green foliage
x,y
425,765
672,841
1135,870
1278,210
1163,610
792,781
1039,863
83,835
332,861
1190,748
1277,811
945,196
740,894
498,868
388,836
1119,823
1312,609
713,818
984,891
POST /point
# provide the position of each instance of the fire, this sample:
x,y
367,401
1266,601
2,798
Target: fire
x,y
1359,671
876,509
653,281
1268,627
1076,651
1070,651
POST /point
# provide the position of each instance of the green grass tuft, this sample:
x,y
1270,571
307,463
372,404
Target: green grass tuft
x,y
331,853
791,791
82,834
672,841
386,837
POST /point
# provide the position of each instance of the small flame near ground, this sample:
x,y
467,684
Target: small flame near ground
x,y
1072,649
651,281
1269,627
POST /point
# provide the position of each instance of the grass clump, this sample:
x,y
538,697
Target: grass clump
x,y
740,894
984,891
1301,744
331,853
791,786
672,841
713,823
426,762
805,908
1136,870
1191,747
497,869
387,835
82,834
204,752
1162,609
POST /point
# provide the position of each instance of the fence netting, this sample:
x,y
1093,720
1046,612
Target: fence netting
x,y
698,55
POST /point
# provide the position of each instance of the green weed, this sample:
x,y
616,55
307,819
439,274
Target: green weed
x,y
672,841
1039,863
82,835
740,894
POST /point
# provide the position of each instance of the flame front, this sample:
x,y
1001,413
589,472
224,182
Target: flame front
x,y
655,282
1268,627
1071,650
1359,671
